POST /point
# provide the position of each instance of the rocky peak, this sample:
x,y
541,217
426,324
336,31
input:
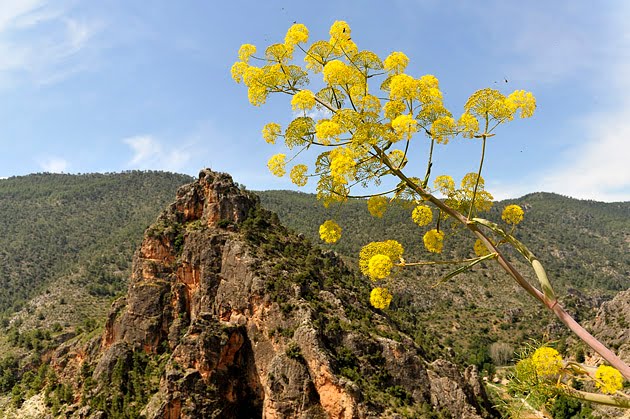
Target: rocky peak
x,y
229,314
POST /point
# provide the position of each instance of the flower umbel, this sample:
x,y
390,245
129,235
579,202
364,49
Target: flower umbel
x,y
609,380
276,164
380,298
547,361
512,214
271,131
377,206
298,174
422,215
434,241
330,231
380,266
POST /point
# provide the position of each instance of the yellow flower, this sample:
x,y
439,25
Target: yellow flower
x,y
480,248
403,87
512,214
468,124
276,164
547,361
380,298
246,51
303,100
237,70
489,102
299,132
422,215
338,72
523,101
393,108
298,174
445,184
396,62
397,158
404,126
327,130
271,131
609,380
389,248
298,33
377,206
443,128
330,231
342,165
433,241
339,31
379,267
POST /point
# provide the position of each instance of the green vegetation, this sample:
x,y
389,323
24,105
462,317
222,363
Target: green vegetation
x,y
75,231
582,244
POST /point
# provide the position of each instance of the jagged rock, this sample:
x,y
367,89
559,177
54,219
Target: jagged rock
x,y
248,320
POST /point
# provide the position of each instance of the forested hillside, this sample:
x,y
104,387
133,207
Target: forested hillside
x,y
84,228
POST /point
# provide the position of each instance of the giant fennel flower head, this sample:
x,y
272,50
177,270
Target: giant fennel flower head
x,y
547,361
609,380
380,298
330,231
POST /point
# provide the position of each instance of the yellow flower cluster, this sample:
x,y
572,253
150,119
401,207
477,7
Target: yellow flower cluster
x,y
492,103
299,131
276,164
445,184
468,125
394,108
342,165
327,131
271,131
303,100
336,72
297,34
433,241
512,214
389,248
298,174
547,361
377,206
523,101
404,126
397,158
403,87
380,298
379,267
396,62
340,38
330,231
443,128
246,51
480,248
422,215
609,380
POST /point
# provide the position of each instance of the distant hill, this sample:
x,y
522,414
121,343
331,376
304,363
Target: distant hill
x,y
82,228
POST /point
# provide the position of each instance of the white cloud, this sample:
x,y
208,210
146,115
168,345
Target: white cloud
x,y
54,165
41,42
149,153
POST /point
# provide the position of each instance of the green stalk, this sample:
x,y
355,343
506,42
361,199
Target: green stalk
x,y
483,153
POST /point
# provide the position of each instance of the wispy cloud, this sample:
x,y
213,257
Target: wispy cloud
x,y
149,153
40,41
54,165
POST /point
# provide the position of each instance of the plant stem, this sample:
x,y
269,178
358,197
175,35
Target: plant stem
x,y
483,154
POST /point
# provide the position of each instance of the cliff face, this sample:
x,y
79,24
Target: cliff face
x,y
228,314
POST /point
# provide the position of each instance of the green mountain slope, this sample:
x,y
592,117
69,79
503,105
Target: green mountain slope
x,y
80,227
583,245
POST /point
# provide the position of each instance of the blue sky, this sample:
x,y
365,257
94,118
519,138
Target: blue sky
x,y
122,84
